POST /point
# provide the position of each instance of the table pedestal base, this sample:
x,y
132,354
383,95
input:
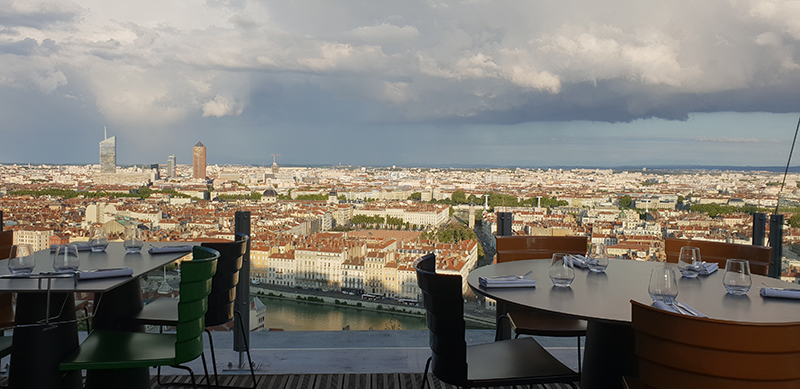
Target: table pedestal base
x,y
113,309
610,354
39,349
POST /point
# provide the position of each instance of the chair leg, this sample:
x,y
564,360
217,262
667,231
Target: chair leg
x,y
425,374
247,349
191,374
579,355
213,358
205,369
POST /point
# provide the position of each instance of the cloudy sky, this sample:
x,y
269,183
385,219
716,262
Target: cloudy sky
x,y
409,83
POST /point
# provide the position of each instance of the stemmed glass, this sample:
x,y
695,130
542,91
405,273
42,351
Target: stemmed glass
x,y
133,240
65,258
689,261
663,284
562,272
737,278
597,258
21,260
98,239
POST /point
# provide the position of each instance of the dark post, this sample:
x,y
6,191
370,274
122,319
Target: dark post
x,y
759,228
776,242
504,221
242,304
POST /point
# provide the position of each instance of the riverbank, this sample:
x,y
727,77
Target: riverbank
x,y
354,302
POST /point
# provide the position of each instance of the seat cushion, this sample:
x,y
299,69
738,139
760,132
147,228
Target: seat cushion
x,y
533,322
160,312
122,350
516,360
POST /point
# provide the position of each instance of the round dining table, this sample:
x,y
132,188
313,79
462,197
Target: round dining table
x,y
603,299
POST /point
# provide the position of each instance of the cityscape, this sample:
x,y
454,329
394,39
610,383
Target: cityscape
x,y
356,230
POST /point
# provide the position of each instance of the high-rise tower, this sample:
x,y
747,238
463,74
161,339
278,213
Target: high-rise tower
x,y
171,166
199,161
108,155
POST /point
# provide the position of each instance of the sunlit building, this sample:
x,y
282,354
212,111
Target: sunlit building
x,y
108,155
199,161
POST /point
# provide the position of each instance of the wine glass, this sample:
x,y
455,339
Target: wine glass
x,y
663,284
21,260
65,258
597,258
133,240
737,276
98,239
562,272
689,261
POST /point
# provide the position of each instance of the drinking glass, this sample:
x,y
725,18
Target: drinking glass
x,y
663,284
20,260
689,261
133,240
737,276
562,272
597,258
98,239
65,258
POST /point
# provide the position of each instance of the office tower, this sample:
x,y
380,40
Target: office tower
x,y
199,161
171,166
154,166
108,155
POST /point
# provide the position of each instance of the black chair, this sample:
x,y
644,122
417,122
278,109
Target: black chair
x,y
507,362
163,311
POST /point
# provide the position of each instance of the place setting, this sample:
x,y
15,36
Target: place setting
x,y
691,264
663,289
66,264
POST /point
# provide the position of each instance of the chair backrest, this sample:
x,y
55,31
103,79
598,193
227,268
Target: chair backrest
x,y
678,351
514,248
223,286
758,256
441,296
195,286
6,305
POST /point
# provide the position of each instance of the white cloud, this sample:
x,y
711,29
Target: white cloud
x,y
222,106
385,33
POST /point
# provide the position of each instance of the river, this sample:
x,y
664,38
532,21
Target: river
x,y
301,316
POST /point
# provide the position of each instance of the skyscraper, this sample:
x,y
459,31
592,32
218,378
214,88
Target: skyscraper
x,y
199,161
171,166
108,155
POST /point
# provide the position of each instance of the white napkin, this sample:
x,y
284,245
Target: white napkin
x,y
169,249
781,292
707,268
82,246
670,308
507,282
105,273
580,261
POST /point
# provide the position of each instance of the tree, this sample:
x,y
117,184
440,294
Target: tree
x,y
625,201
681,199
794,221
415,196
459,197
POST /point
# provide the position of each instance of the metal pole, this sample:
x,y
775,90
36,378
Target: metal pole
x,y
776,242
759,228
242,304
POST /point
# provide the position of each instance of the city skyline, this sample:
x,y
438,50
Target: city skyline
x,y
431,83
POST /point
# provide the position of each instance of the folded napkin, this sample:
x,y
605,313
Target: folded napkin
x,y
672,308
706,268
507,282
580,261
169,249
105,273
82,246
781,292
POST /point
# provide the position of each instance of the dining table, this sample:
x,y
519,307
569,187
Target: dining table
x,y
46,329
603,299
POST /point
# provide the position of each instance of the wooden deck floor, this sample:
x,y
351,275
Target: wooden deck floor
x,y
329,381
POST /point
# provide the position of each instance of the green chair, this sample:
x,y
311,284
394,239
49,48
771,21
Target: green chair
x,y
123,350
